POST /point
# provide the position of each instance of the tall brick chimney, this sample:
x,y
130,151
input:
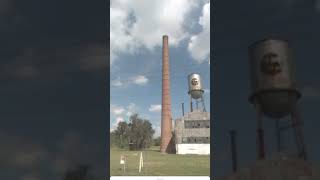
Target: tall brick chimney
x,y
166,122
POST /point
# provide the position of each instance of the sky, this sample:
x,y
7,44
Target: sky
x,y
136,30
235,26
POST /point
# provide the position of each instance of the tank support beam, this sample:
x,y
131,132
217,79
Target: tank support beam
x,y
197,104
298,132
203,105
278,134
191,108
260,135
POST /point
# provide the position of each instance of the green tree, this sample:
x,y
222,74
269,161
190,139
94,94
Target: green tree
x,y
157,141
120,135
137,133
140,132
114,140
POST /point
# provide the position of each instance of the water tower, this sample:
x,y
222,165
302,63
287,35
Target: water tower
x,y
196,92
192,130
274,90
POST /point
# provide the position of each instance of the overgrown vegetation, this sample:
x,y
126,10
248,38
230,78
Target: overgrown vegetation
x,y
135,135
157,141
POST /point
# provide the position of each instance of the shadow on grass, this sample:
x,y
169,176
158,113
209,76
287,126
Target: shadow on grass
x,y
151,149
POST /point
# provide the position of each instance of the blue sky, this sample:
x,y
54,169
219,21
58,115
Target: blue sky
x,y
136,54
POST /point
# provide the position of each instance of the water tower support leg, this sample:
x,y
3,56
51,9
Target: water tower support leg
x,y
203,105
278,135
260,136
191,108
297,126
197,104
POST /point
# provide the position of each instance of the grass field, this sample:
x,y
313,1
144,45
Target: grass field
x,y
157,164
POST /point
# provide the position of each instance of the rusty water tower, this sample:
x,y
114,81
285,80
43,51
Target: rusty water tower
x,y
274,90
196,91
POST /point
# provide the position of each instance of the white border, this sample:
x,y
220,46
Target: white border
x,y
160,178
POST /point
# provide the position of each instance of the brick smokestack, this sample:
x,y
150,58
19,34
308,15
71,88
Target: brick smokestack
x,y
166,122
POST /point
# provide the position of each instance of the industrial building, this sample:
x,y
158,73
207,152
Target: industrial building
x,y
192,130
192,133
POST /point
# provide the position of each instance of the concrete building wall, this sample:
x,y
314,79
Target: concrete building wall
x,y
201,134
203,149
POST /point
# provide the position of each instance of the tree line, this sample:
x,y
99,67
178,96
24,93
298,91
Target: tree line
x,y
137,134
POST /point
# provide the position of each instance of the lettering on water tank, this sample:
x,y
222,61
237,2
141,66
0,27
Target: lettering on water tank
x,y
194,81
270,64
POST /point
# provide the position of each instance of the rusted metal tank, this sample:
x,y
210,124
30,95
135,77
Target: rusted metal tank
x,y
195,86
273,84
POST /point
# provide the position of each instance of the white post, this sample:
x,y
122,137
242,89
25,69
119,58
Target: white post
x,y
141,162
123,162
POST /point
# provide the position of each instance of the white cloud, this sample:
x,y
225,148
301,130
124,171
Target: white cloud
x,y
132,108
138,80
119,112
116,110
155,108
199,45
136,25
129,113
119,119
116,82
119,39
157,130
115,125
